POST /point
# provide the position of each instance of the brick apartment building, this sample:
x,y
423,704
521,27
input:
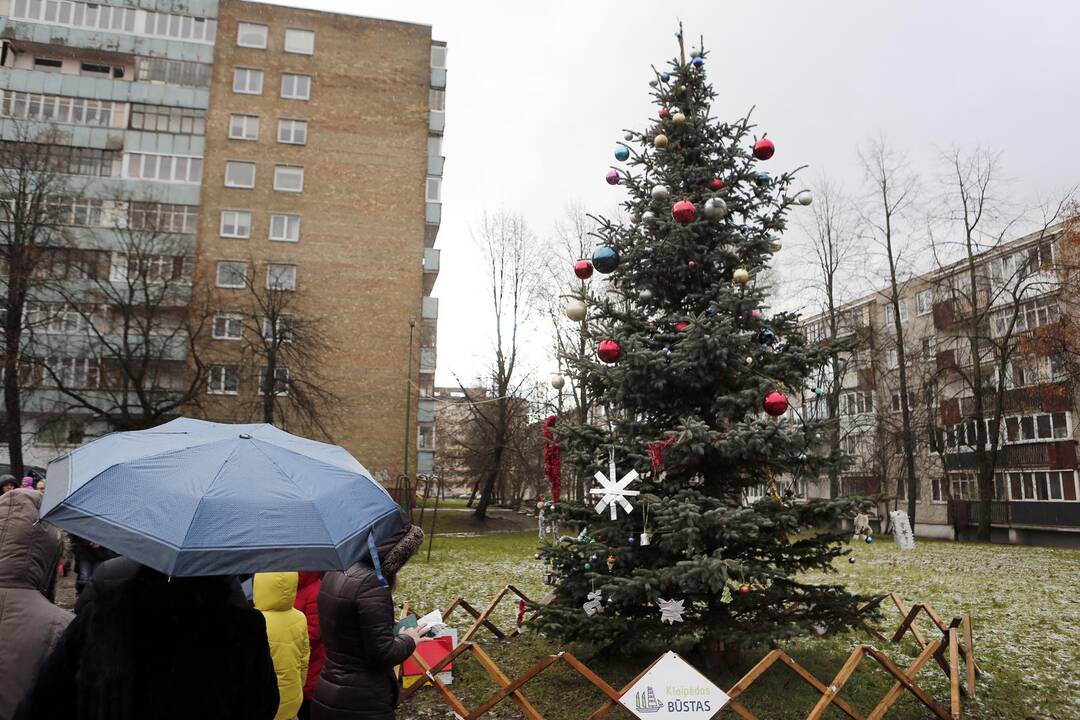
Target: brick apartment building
x,y
1036,492
292,147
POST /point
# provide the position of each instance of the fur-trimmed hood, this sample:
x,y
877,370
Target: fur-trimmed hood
x,y
393,556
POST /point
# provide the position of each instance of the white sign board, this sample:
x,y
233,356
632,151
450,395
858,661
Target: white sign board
x,y
673,688
902,535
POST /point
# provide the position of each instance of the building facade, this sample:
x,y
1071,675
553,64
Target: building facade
x,y
1030,407
291,151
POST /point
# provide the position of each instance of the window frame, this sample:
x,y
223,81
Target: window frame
x,y
296,77
277,370
292,123
245,122
236,235
284,169
254,173
228,318
285,237
260,74
217,274
211,388
919,309
244,25
298,32
270,267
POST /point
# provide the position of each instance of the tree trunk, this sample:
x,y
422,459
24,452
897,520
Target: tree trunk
x,y
12,396
488,486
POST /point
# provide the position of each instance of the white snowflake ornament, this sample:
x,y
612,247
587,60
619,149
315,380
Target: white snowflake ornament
x,y
594,604
614,493
671,611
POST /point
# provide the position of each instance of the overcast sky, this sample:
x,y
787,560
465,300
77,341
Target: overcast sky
x,y
538,93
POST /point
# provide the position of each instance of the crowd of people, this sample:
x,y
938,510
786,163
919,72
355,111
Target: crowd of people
x,y
139,644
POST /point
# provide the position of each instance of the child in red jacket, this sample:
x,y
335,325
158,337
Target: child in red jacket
x,y
307,596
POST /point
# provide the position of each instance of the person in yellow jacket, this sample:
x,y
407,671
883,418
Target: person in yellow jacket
x,y
287,632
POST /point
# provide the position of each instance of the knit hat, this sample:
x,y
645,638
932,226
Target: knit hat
x,y
409,544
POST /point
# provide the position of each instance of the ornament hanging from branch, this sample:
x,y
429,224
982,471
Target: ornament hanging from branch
x,y
671,611
594,604
614,493
764,149
583,269
609,351
657,450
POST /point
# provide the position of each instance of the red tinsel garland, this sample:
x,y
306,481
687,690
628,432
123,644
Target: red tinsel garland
x,y
552,459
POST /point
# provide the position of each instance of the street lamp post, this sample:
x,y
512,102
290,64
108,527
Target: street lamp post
x,y
408,422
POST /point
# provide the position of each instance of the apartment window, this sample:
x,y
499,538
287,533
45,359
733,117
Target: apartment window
x,y
890,317
181,27
901,490
896,401
434,146
228,326
301,42
434,189
156,268
183,121
231,274
281,380
163,217
858,403
244,127
48,65
70,160
174,72
235,224
239,174
1029,315
927,348
280,277
1041,485
95,70
251,35
163,168
436,100
438,56
924,302
937,490
247,81
284,228
288,178
295,87
293,132
892,358
71,372
224,380
55,109
279,330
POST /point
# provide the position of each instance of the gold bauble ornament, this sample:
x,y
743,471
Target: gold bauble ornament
x,y
741,276
660,142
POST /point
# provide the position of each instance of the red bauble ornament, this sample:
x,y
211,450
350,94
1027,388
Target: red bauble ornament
x,y
716,184
609,351
681,326
583,269
764,149
775,403
744,588
684,211
664,113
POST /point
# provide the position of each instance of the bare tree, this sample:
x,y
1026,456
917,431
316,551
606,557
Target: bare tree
x,y
988,291
832,236
31,193
137,363
511,260
893,194
284,349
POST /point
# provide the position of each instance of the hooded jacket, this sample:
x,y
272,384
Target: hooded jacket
x,y
356,614
307,602
30,624
287,632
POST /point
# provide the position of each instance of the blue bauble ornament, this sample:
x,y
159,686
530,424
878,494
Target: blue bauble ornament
x,y
621,153
631,539
710,311
869,539
698,62
605,259
665,351
588,566
594,558
647,250
665,76
763,178
766,337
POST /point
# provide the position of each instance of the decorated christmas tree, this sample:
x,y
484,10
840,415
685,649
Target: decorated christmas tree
x,y
693,373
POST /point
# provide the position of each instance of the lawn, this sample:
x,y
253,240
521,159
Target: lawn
x,y
1024,602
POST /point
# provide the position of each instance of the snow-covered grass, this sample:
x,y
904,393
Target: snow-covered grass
x,y
1024,603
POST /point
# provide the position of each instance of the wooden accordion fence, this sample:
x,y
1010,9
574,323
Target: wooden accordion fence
x,y
948,644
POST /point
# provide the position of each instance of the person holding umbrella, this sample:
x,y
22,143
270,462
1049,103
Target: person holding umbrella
x,y
356,615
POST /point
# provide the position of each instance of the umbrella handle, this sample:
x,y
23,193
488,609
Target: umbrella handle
x,y
375,559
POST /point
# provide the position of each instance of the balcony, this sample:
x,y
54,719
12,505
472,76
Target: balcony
x,y
437,122
433,213
425,462
427,360
438,77
429,308
425,410
435,165
431,269
1054,515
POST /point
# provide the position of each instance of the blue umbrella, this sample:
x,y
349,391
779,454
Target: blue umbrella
x,y
199,498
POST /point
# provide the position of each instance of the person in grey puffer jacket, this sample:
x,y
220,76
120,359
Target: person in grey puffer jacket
x,y
30,624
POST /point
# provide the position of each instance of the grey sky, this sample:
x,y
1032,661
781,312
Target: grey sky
x,y
538,94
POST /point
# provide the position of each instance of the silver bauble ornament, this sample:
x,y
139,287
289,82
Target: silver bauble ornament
x,y
575,310
652,83
648,216
695,53
805,197
659,192
775,246
715,209
558,381
645,296
628,137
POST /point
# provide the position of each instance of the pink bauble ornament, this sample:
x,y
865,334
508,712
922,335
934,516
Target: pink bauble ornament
x,y
612,177
665,113
681,326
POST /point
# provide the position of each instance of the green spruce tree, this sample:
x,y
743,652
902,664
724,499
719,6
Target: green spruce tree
x,y
698,351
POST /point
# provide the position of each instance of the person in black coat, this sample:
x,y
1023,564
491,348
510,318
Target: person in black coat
x,y
155,647
356,616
